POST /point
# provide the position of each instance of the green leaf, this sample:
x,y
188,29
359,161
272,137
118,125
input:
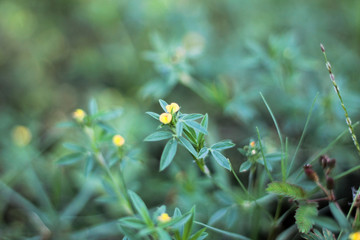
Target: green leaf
x,y
326,222
191,117
89,165
132,222
217,215
204,124
245,166
225,144
74,147
339,216
221,159
203,152
154,115
188,146
196,126
106,116
163,235
188,226
286,190
141,208
304,217
93,108
168,154
176,221
201,234
179,128
158,136
107,128
163,105
70,159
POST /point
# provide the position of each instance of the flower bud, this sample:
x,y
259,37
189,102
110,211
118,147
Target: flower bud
x,y
163,218
79,115
118,140
322,48
310,173
165,118
331,163
172,108
330,183
323,160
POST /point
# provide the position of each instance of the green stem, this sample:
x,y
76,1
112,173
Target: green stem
x,y
263,155
337,90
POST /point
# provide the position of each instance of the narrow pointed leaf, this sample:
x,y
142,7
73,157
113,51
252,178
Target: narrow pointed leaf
x,y
245,166
196,126
154,115
168,154
221,160
225,144
158,136
140,207
188,146
70,159
163,104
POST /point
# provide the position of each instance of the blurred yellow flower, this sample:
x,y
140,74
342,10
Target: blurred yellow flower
x,y
79,115
172,108
165,118
118,140
164,217
355,236
252,144
21,135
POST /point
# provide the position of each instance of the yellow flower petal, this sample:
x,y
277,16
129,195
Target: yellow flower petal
x,y
355,236
165,118
79,115
164,218
252,144
118,140
21,135
172,108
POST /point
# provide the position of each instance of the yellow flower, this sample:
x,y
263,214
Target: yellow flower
x,y
355,236
79,115
118,140
172,108
165,118
252,144
164,218
21,135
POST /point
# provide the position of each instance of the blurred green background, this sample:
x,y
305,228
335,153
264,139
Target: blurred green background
x,y
208,56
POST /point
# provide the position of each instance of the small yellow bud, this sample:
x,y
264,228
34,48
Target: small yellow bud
x,y
172,108
165,118
355,236
164,218
252,144
79,115
118,140
21,136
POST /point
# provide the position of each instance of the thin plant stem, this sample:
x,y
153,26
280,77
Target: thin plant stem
x,y
263,155
283,167
337,90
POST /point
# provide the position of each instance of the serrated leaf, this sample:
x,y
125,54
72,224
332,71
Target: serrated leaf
x,y
158,136
163,105
70,159
188,146
224,144
221,159
154,115
140,207
304,217
168,154
245,166
286,190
